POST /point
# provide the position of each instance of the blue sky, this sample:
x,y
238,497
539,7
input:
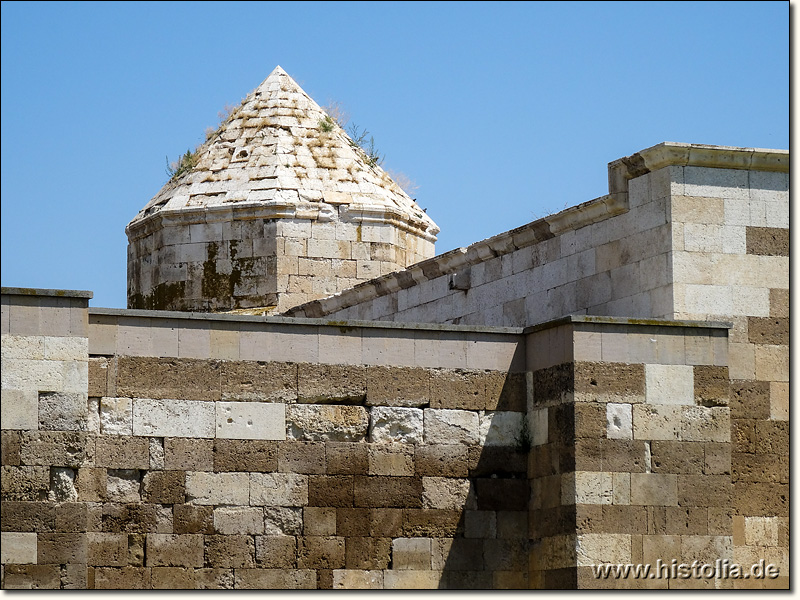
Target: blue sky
x,y
501,113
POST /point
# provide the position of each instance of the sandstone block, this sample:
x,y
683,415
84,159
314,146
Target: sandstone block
x,y
162,378
282,520
609,382
652,489
705,424
10,443
275,579
25,483
501,494
157,454
389,492
164,487
772,437
669,384
116,416
242,520
411,553
229,551
385,522
779,400
181,454
122,452
61,548
32,577
63,411
501,428
218,488
538,426
398,386
619,421
480,524
677,457
277,489
173,418
173,550
411,579
346,458
188,518
445,493
768,241
250,421
125,578
711,385
458,389
354,579
173,578
446,460
656,422
259,381
107,549
396,425
391,459
317,422
704,490
321,384
276,552
706,549
30,347
434,522
506,391
367,552
20,409
122,485
590,488
18,548
320,521
301,457
136,519
451,426
91,484
245,455
594,548
318,552
331,490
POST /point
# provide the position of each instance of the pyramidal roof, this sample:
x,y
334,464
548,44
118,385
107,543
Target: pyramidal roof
x,y
280,148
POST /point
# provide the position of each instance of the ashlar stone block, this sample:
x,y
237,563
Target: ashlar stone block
x,y
396,425
20,409
669,384
278,489
501,428
323,422
444,426
619,421
18,548
250,420
116,416
217,488
173,418
239,520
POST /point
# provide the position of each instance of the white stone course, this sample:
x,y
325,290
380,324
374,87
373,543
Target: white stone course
x,y
116,416
396,425
18,548
445,426
173,418
250,420
278,489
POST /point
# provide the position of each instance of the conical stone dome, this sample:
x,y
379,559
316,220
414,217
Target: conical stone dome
x,y
278,207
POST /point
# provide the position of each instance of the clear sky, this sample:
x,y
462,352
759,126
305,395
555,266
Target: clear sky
x,y
501,113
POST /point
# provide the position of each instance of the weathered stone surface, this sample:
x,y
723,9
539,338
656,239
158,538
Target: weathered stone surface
x,y
619,421
445,460
398,386
182,454
768,330
378,491
276,551
319,422
444,492
244,520
277,489
321,384
250,421
245,455
107,549
230,551
18,548
54,448
501,428
173,418
125,578
218,488
32,577
320,552
768,241
275,579
330,490
259,381
62,485
451,426
25,483
347,458
164,487
281,520
63,411
609,382
669,384
116,416
357,579
20,409
458,389
301,457
122,452
173,550
506,391
391,459
163,378
396,425
189,518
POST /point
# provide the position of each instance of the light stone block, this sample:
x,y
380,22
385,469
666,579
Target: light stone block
x,y
352,579
18,548
619,421
116,416
416,579
656,422
598,548
239,520
251,420
593,488
761,531
75,376
173,418
93,416
654,489
28,347
779,400
23,374
702,238
122,485
278,489
538,426
396,425
411,553
621,488
323,422
587,346
445,493
705,424
217,488
66,348
669,384
443,426
772,363
20,409
501,428
282,520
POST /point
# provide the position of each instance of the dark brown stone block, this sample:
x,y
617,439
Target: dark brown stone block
x,y
430,522
505,555
330,490
98,382
91,484
386,522
589,518
164,487
352,522
230,551
74,577
609,380
10,443
73,517
553,385
367,553
560,520
32,577
161,378
656,520
54,448
502,494
720,521
743,435
718,458
324,579
320,552
547,459
458,389
25,484
677,457
778,302
448,460
749,399
759,499
772,437
463,555
107,549
590,420
301,457
174,550
624,456
686,521
623,519
466,580
500,461
173,578
122,452
767,468
130,518
61,548
322,384
189,518
347,458
258,381
28,516
561,579
390,492
768,241
276,552
506,391
122,578
136,547
711,385
186,454
512,524
398,386
245,455
561,422
704,490
768,330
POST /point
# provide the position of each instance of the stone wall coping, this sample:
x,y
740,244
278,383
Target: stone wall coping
x,y
598,320
17,291
299,321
